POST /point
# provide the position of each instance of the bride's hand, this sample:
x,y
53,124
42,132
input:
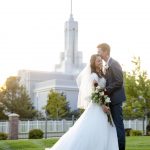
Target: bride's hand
x,y
105,109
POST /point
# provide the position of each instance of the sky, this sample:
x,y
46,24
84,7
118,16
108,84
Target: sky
x,y
32,32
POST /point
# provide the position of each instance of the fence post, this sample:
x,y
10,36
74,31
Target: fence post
x,y
13,126
73,119
28,126
129,123
135,123
46,125
146,123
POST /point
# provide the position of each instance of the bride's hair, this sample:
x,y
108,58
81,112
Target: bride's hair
x,y
93,67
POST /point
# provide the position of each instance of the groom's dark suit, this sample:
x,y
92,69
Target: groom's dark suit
x,y
115,89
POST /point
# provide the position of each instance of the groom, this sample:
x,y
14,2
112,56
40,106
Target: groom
x,y
115,90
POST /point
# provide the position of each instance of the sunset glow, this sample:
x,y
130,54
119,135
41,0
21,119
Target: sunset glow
x,y
32,32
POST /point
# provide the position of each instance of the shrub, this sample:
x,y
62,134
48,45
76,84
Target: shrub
x,y
128,131
148,129
3,136
36,134
135,133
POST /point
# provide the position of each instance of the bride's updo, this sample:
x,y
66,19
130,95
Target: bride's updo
x,y
93,67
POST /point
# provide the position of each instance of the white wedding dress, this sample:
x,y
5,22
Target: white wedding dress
x,y
91,131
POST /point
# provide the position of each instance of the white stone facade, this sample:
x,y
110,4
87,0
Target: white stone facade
x,y
38,83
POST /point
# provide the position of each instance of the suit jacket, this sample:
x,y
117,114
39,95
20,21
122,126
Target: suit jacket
x,y
114,82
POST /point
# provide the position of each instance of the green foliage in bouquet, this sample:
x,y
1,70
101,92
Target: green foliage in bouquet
x,y
99,96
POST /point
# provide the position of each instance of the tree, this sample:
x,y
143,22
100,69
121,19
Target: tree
x,y
76,113
137,87
57,106
15,99
2,106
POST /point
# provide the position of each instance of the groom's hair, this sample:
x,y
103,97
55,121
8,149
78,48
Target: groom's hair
x,y
104,47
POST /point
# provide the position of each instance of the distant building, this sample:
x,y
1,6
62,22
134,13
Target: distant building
x,y
63,79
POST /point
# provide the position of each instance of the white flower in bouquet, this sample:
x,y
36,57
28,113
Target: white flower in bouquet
x,y
98,87
96,91
102,93
107,100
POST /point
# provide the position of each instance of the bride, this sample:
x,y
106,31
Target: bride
x,y
91,131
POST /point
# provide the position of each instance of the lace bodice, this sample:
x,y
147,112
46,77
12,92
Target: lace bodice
x,y
101,81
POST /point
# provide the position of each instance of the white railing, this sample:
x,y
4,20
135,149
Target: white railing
x,y
4,127
58,128
135,124
54,128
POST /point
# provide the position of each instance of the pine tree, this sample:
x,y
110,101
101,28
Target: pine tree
x,y
57,106
15,99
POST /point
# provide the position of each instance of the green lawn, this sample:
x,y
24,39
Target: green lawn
x,y
133,143
138,143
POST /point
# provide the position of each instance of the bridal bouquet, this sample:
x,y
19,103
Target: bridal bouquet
x,y
99,96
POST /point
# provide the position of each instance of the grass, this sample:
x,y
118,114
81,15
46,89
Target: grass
x,y
133,143
138,143
37,144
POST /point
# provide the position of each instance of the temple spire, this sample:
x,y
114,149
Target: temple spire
x,y
71,9
71,15
71,58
